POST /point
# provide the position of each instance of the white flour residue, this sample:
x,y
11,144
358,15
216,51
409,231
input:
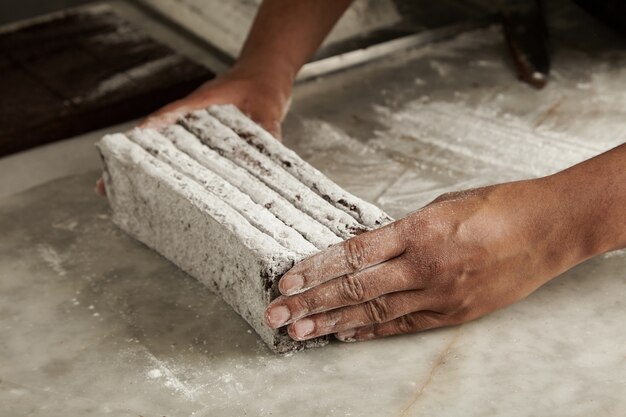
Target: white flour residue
x,y
358,168
52,258
162,371
155,373
483,63
204,378
478,140
122,80
615,254
322,136
69,225
441,68
607,82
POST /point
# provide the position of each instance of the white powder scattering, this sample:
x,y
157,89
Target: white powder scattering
x,y
615,254
128,78
441,68
170,379
482,63
226,378
454,134
69,225
154,373
52,258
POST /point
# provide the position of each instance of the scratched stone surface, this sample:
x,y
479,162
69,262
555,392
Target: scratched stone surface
x,y
94,323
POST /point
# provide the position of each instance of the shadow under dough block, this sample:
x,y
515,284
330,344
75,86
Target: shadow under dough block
x,y
231,206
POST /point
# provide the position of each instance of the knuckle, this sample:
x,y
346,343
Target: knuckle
x,y
355,251
301,304
435,266
377,310
351,289
427,221
335,316
431,267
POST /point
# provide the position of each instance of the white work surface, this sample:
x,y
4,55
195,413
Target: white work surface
x,y
93,323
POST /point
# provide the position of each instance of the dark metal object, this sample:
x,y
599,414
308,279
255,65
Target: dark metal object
x,y
526,34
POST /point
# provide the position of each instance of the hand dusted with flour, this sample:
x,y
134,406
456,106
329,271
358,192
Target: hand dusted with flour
x,y
464,255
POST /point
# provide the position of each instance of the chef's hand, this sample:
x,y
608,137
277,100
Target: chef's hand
x,y
283,37
263,96
464,255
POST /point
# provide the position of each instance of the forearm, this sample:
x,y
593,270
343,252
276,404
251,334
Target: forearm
x,y
463,256
592,196
286,33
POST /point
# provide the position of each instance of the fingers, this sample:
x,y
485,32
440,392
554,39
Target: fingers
x,y
409,323
350,289
378,310
353,255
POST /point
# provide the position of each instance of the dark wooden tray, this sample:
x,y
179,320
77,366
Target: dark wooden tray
x,y
84,69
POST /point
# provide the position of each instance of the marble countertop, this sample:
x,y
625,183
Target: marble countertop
x,y
94,323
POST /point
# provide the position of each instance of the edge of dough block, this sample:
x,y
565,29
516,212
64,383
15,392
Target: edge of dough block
x,y
197,232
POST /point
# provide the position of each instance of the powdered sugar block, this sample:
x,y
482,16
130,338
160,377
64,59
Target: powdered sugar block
x,y
226,210
255,135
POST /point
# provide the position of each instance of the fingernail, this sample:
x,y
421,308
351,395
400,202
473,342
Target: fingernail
x,y
346,335
277,316
303,328
291,283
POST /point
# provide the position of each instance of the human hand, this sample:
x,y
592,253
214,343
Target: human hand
x,y
464,255
262,95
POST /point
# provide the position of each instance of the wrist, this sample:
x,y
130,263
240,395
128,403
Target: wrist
x,y
578,207
277,72
536,219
